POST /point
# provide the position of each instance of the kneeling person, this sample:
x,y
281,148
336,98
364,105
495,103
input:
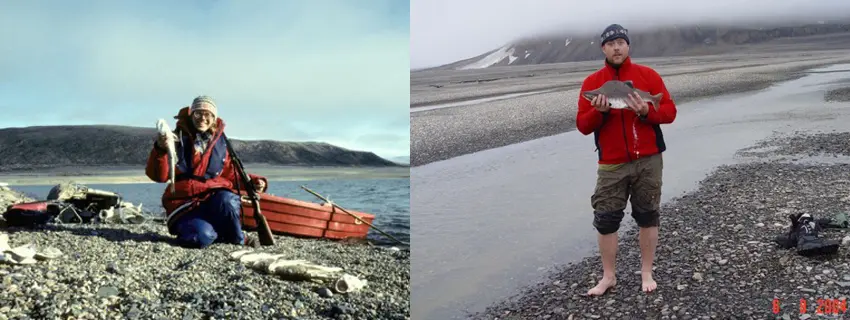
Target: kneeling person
x,y
205,207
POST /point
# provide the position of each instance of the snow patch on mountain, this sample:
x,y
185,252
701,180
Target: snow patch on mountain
x,y
493,58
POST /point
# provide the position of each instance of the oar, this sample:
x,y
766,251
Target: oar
x,y
351,214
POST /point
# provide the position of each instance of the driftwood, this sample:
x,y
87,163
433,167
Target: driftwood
x,y
298,270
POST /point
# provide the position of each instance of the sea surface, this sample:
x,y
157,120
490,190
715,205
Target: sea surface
x,y
387,199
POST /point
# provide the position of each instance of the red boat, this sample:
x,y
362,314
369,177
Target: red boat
x,y
306,219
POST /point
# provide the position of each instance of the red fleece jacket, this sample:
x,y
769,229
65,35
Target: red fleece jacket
x,y
621,135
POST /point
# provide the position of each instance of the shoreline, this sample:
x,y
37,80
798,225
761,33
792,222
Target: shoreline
x,y
124,175
716,257
445,133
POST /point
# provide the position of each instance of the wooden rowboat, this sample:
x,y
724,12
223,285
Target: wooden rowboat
x,y
305,219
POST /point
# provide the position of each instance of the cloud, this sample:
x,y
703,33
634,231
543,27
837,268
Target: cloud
x,y
444,31
269,64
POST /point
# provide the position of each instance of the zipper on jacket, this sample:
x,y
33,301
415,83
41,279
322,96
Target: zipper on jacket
x,y
623,121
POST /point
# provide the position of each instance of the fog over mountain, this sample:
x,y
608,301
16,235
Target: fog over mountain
x,y
444,31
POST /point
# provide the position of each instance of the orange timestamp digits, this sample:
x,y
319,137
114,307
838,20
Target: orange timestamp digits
x,y
823,306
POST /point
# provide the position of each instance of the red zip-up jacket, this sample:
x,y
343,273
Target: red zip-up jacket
x,y
620,134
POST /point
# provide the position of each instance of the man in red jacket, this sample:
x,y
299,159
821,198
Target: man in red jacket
x,y
205,207
629,142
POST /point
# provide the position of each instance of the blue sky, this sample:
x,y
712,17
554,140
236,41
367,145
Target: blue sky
x,y
322,70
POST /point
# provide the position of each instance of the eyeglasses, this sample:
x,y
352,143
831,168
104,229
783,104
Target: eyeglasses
x,y
199,114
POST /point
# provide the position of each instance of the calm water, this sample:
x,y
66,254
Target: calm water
x,y
387,199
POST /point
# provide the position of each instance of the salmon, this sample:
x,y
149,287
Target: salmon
x,y
618,91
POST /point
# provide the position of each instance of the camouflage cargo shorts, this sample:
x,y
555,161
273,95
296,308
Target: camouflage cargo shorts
x,y
638,182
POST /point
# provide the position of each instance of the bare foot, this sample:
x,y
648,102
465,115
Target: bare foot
x,y
649,284
602,286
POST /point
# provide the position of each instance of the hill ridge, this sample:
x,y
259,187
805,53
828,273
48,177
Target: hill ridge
x,y
669,40
45,147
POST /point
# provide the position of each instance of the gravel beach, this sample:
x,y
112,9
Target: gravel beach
x,y
134,272
715,257
445,133
800,145
838,95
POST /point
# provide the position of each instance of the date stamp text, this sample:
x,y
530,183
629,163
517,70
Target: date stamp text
x,y
816,306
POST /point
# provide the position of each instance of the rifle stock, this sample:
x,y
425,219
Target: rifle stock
x,y
263,230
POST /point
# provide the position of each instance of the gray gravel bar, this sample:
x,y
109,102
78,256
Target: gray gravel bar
x,y
800,145
134,272
838,95
444,133
716,258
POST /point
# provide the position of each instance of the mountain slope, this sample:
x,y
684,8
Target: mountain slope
x,y
405,160
59,146
669,41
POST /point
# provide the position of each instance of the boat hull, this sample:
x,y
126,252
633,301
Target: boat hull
x,y
305,219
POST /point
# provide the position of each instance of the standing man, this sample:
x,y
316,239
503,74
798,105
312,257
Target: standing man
x,y
629,142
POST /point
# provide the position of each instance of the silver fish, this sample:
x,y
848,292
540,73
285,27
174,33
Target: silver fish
x,y
170,138
618,91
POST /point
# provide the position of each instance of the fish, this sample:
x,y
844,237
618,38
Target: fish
x,y
618,91
170,138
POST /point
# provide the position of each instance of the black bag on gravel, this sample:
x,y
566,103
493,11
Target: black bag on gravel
x,y
803,235
30,214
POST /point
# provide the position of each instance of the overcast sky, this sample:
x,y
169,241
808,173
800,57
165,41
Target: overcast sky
x,y
445,31
320,70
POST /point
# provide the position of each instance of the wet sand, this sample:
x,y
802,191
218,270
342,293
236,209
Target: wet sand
x,y
471,124
125,175
521,212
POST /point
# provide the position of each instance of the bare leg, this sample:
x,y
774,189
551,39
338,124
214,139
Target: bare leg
x,y
608,201
648,238
608,248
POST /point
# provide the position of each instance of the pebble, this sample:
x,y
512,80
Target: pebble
x,y
325,293
697,276
106,292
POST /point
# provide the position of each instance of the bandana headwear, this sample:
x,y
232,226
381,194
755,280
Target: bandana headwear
x,y
614,31
204,103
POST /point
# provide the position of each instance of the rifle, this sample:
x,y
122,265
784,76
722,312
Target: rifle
x,y
263,230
